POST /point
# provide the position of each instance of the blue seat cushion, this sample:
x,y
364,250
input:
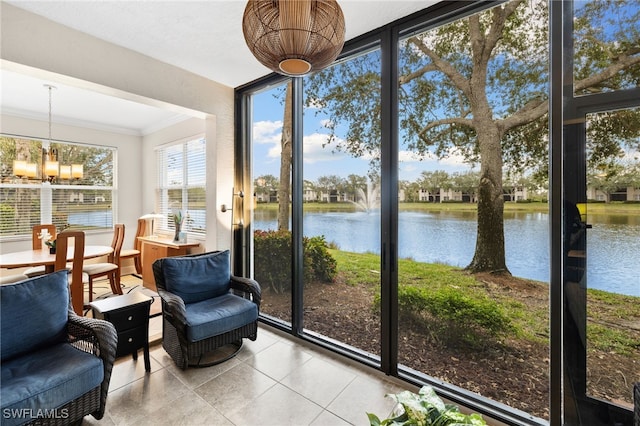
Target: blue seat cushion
x,y
219,315
33,314
46,379
196,278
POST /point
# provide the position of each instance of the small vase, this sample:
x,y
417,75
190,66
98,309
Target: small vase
x,y
52,250
176,236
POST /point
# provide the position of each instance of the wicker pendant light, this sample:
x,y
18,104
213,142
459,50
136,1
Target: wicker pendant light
x,y
294,37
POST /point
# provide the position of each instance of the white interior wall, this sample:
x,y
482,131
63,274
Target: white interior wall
x,y
35,45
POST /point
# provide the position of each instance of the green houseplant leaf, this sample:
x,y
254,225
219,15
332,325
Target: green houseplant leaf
x,y
425,409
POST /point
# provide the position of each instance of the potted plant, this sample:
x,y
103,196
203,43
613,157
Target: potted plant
x,y
177,222
49,242
424,409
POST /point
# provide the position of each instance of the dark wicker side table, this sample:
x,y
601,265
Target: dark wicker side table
x,y
129,313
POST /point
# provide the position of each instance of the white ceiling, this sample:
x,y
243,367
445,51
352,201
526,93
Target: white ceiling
x,y
204,37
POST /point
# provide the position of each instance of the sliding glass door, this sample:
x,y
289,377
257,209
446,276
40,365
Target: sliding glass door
x,y
473,216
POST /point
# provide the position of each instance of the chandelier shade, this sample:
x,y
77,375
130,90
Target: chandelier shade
x,y
294,37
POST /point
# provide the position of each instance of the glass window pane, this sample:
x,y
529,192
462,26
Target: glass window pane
x,y
473,215
271,208
342,202
612,214
606,45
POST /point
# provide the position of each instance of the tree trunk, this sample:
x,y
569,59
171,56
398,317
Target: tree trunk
x,y
489,255
284,188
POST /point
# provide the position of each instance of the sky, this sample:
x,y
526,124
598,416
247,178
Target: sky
x,y
318,160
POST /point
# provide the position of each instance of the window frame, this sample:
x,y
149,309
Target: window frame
x,y
51,195
162,188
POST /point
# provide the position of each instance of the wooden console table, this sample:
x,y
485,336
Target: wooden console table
x,y
154,248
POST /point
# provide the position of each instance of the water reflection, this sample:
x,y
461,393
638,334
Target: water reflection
x,y
450,237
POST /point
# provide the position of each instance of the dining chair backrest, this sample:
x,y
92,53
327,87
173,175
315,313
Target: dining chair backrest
x,y
140,232
62,245
116,243
37,230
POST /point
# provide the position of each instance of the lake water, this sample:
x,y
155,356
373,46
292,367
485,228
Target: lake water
x,y
613,244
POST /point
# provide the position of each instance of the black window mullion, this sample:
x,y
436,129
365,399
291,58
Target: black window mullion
x,y
297,193
389,204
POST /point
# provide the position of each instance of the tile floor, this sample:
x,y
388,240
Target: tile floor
x,y
272,381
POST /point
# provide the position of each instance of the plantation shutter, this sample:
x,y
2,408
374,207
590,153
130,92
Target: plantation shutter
x,y
181,184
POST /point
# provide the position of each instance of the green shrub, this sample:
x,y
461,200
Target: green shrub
x,y
272,260
323,265
452,314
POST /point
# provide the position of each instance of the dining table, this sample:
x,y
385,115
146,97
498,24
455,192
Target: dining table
x,y
42,257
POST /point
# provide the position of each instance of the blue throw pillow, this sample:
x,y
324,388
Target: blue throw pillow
x,y
33,313
196,278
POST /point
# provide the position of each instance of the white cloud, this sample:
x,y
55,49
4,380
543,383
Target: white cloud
x,y
267,132
315,152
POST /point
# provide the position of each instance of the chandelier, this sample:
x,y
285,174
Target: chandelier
x,y
50,167
294,37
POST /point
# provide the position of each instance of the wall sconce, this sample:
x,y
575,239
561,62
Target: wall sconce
x,y
224,208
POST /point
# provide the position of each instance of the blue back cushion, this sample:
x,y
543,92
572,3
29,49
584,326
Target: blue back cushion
x,y
199,277
33,313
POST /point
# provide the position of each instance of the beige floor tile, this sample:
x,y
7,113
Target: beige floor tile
x,y
194,377
327,418
279,360
319,381
135,402
235,388
363,395
127,370
188,410
278,406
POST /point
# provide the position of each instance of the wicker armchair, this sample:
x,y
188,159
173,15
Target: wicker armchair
x,y
98,338
56,366
204,307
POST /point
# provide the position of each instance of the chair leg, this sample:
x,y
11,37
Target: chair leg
x,y
138,264
114,282
90,289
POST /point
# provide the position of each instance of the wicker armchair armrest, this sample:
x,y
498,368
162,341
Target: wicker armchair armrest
x,y
92,335
99,338
249,286
173,309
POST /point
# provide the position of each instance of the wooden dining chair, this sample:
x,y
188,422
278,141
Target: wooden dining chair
x,y
36,244
75,281
135,252
111,268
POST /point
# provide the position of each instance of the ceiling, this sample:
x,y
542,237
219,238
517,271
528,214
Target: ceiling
x,y
203,37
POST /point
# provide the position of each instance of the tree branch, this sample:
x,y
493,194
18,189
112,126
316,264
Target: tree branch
x,y
624,61
536,108
416,74
444,121
497,27
531,111
443,66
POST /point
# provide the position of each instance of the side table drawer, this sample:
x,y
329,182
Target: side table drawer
x,y
131,340
130,317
